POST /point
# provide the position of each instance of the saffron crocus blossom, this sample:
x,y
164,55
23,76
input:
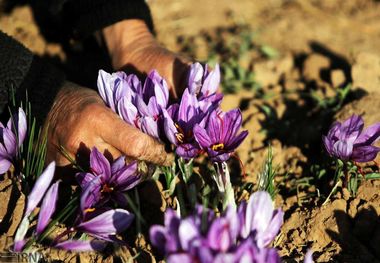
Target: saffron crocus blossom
x,y
111,181
206,238
136,104
347,140
12,136
104,226
259,219
202,81
179,121
219,138
47,208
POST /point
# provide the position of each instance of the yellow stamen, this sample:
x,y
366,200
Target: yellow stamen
x,y
180,137
89,210
217,147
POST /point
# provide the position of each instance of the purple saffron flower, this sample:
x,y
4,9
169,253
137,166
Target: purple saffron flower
x,y
12,136
205,238
113,87
259,219
179,121
203,82
136,104
107,224
109,182
47,209
220,138
348,141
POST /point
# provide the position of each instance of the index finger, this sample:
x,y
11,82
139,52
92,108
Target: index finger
x,y
131,141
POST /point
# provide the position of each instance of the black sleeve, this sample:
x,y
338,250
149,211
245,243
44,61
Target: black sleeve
x,y
26,75
80,18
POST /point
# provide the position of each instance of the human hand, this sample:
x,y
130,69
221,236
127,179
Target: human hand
x,y
79,118
132,45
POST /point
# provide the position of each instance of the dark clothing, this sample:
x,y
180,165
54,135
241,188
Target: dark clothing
x,y
31,76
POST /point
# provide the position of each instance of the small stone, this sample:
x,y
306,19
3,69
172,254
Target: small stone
x,y
337,78
346,194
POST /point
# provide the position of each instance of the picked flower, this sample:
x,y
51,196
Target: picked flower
x,y
111,181
138,105
347,140
12,136
219,138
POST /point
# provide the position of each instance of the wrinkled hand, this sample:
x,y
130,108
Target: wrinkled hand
x,y
79,118
132,46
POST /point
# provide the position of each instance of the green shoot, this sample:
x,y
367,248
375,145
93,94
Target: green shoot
x,y
267,175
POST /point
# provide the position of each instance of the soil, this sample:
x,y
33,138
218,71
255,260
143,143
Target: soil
x,y
323,46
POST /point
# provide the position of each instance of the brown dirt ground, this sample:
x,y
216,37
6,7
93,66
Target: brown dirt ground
x,y
323,44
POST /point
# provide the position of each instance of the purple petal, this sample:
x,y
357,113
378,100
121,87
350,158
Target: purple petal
x,y
84,178
153,107
127,177
91,195
180,258
258,214
187,151
4,165
235,142
108,223
219,238
118,164
231,124
188,107
214,128
150,126
273,228
169,128
328,145
202,137
19,245
195,78
364,154
105,87
351,128
211,82
369,135
99,164
158,238
40,188
141,106
10,142
47,208
81,246
218,157
3,151
342,149
173,111
188,232
19,120
127,111
308,257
